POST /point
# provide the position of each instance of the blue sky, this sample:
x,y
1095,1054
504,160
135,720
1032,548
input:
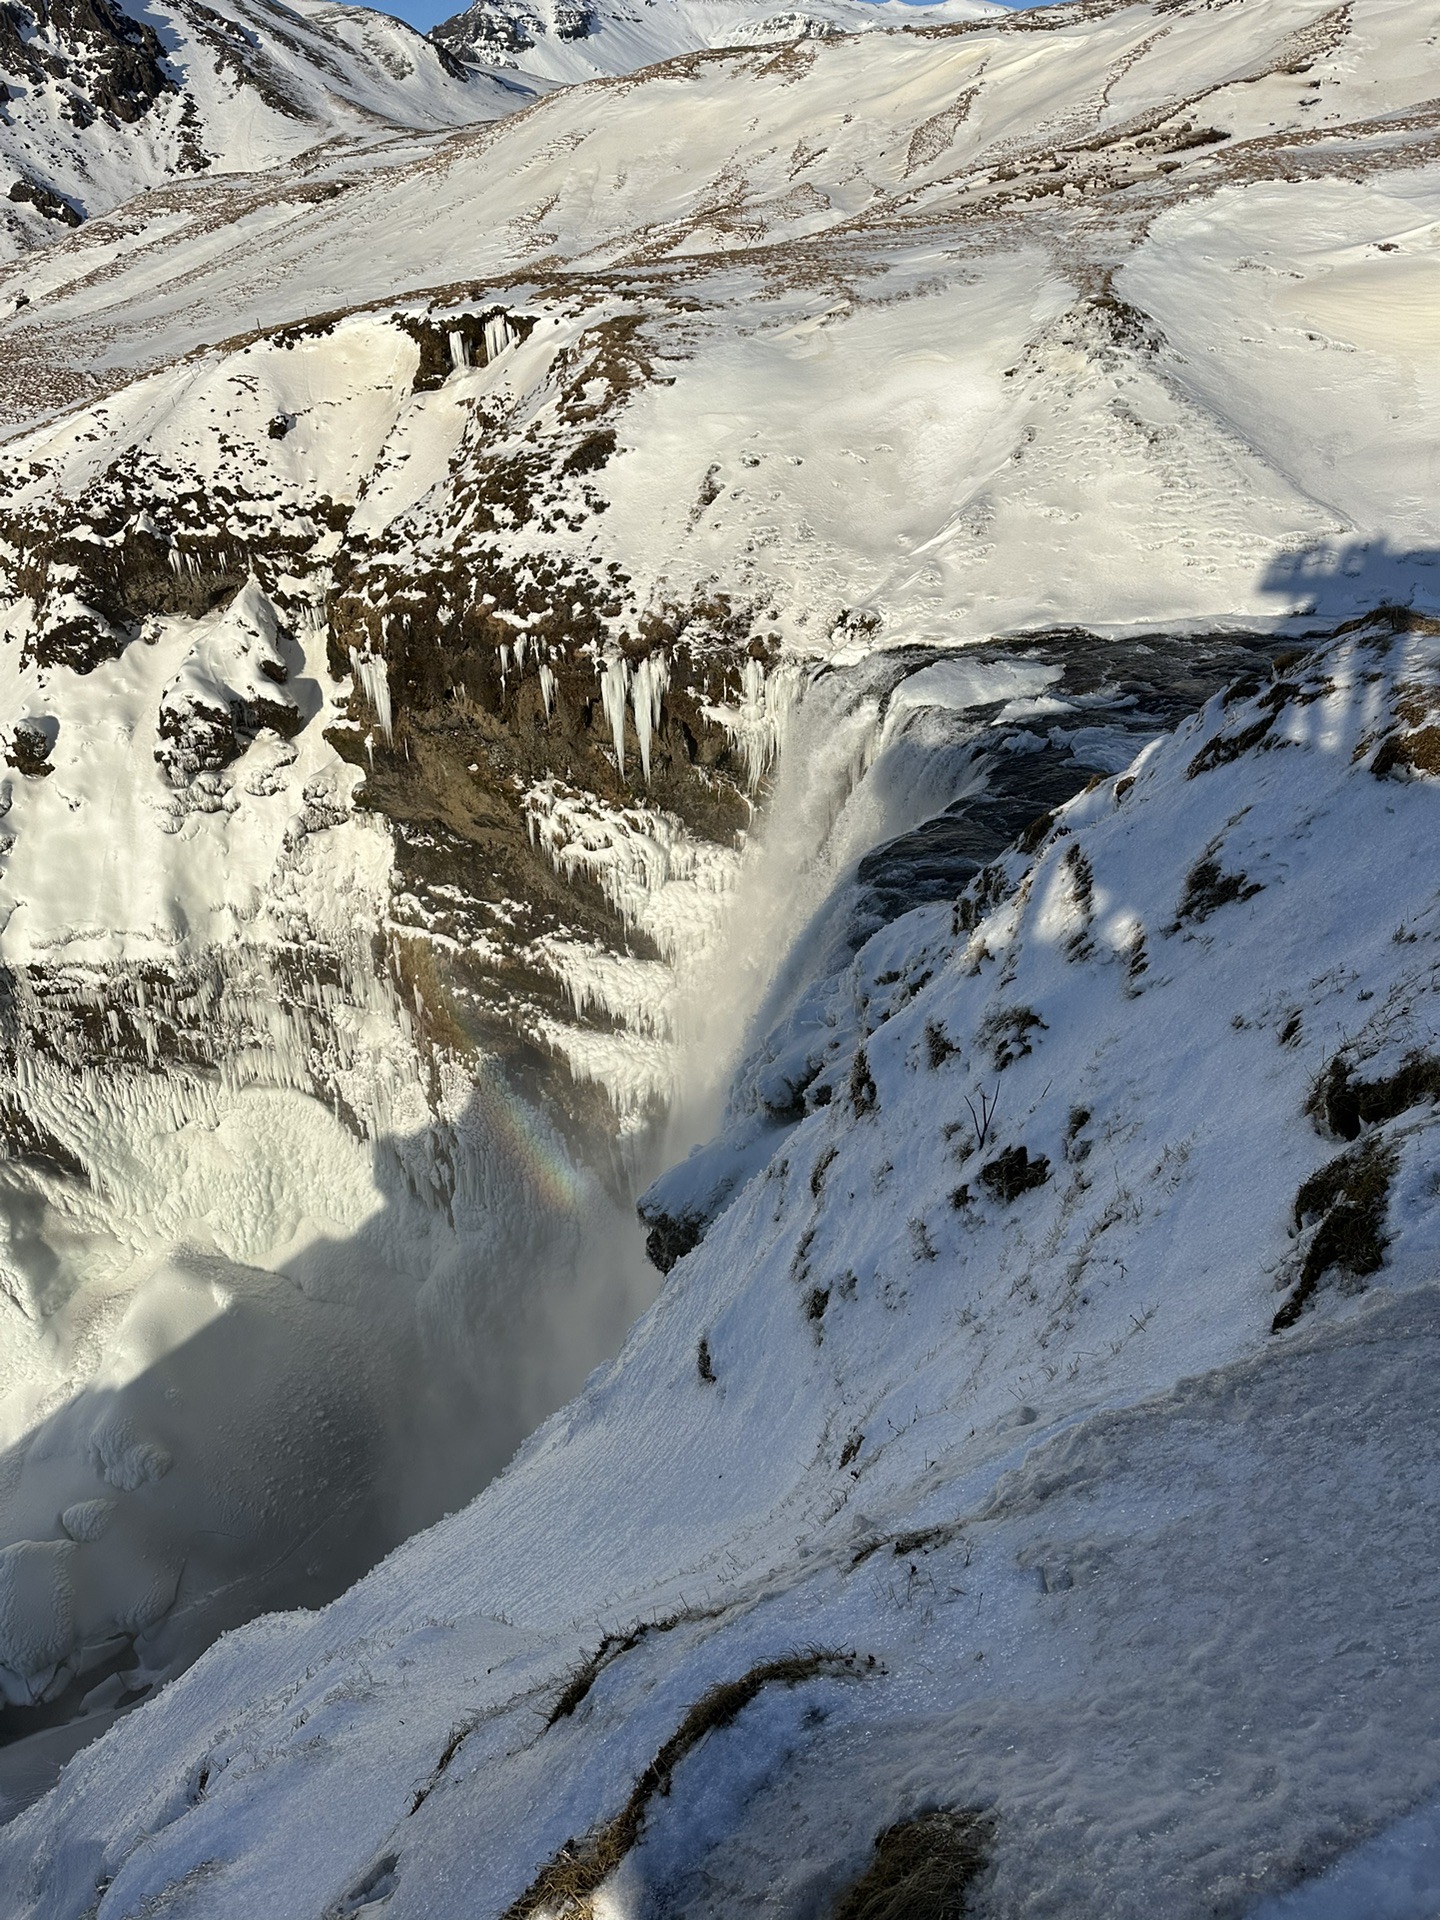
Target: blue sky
x,y
428,13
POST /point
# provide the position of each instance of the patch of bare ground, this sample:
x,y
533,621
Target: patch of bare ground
x,y
1412,747
1346,1202
1344,1104
587,1671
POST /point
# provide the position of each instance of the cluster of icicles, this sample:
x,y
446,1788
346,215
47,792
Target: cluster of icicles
x,y
236,1018
645,684
756,723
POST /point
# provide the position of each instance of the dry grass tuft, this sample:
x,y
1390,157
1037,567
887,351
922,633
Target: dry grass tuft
x,y
1013,1172
922,1869
1343,1104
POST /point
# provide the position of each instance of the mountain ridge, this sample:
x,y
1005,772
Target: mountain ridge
x,y
566,41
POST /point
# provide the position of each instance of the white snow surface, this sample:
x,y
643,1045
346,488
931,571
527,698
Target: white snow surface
x,y
1137,1575
1213,435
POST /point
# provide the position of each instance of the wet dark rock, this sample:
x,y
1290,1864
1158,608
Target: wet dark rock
x,y
45,200
671,1237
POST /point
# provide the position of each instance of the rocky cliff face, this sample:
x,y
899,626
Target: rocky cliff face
x,y
106,62
389,824
523,721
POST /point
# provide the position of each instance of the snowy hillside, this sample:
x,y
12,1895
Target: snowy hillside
x,y
1046,1431
499,624
576,40
101,103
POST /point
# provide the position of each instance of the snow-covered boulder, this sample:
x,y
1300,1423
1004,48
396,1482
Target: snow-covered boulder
x,y
231,687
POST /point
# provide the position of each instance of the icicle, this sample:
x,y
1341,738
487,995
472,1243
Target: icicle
x,y
521,643
374,678
647,694
613,684
752,698
459,350
504,660
547,689
759,723
497,336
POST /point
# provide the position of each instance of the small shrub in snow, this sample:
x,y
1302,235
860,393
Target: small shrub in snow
x,y
1007,1033
1207,889
1013,1172
864,1096
1344,1104
938,1045
922,1869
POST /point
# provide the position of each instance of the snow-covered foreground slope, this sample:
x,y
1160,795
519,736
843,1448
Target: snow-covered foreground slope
x,y
1046,1430
101,103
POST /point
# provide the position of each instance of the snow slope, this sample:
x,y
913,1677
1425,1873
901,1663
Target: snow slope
x,y
1002,1421
101,103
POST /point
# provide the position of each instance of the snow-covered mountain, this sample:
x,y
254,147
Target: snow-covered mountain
x,y
492,619
576,40
98,103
